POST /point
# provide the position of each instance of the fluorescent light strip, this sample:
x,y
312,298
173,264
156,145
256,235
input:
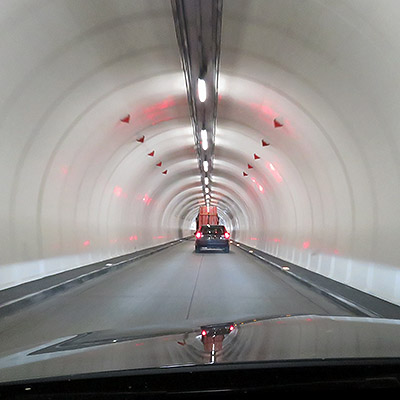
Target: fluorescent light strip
x,y
204,139
202,90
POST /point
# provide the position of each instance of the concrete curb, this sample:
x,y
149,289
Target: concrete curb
x,y
369,307
108,266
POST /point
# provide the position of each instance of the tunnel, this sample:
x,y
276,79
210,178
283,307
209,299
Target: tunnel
x,y
101,152
121,120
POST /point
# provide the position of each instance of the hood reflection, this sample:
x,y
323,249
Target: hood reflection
x,y
212,337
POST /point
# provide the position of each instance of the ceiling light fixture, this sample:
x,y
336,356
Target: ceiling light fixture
x,y
204,139
202,90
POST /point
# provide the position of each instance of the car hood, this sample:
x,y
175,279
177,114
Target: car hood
x,y
306,337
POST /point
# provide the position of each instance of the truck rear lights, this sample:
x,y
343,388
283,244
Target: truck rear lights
x,y
199,235
227,235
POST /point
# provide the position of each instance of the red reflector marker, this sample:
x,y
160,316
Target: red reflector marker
x,y
126,119
227,235
264,143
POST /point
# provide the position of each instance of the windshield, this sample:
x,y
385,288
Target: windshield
x,y
197,182
212,230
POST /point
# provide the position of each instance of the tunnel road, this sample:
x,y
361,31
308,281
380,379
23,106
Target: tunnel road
x,y
168,287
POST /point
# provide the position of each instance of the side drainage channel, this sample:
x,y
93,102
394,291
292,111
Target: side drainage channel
x,y
361,303
18,297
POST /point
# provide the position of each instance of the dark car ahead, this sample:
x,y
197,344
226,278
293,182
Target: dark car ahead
x,y
212,237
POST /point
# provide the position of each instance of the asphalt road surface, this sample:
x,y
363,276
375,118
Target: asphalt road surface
x,y
171,286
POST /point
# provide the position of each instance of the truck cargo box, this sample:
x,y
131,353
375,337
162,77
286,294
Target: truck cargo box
x,y
207,217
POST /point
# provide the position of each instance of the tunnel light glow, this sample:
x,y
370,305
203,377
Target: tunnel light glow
x,y
275,172
202,90
204,139
206,180
147,199
158,112
118,191
207,190
205,166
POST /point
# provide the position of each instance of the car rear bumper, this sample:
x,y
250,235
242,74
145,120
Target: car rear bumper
x,y
212,244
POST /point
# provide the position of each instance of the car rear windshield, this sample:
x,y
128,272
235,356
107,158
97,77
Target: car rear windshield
x,y
212,230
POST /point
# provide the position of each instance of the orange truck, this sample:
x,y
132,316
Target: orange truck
x,y
207,215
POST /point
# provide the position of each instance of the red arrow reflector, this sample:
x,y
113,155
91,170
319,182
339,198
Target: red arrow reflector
x,y
126,119
264,143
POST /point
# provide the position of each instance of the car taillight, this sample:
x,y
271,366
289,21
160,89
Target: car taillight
x,y
227,235
198,235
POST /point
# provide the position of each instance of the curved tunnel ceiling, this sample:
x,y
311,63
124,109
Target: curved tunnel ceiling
x,y
99,154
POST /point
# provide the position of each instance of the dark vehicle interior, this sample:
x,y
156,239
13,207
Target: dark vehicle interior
x,y
213,230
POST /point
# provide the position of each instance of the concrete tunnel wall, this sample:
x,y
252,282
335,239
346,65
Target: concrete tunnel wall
x,y
82,82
